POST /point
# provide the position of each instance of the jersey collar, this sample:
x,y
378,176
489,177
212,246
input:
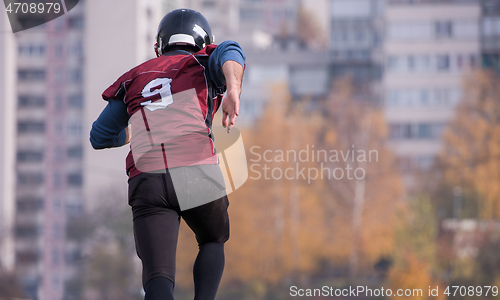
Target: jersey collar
x,y
177,52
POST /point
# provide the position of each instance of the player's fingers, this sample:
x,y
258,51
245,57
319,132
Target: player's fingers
x,y
224,119
232,119
237,108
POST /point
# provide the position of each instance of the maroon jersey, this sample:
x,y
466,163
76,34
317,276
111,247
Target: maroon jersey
x,y
171,101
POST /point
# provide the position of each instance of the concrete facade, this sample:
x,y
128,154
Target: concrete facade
x,y
428,49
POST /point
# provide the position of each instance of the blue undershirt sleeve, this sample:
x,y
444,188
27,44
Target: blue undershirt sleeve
x,y
227,50
108,130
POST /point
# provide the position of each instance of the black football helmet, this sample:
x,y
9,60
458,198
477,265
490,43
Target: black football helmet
x,y
183,27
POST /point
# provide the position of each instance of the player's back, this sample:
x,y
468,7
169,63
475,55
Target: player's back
x,y
170,112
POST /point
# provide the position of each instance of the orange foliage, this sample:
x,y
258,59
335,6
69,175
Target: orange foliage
x,y
472,143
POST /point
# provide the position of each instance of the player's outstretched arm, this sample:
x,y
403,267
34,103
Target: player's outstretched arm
x,y
226,66
233,73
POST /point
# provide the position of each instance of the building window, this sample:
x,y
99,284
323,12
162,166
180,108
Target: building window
x,y
77,49
491,61
74,209
443,29
75,76
73,256
30,75
432,98
27,231
407,131
30,127
424,131
76,22
29,204
423,162
423,63
491,26
31,101
27,257
59,24
74,205
253,15
31,50
75,179
33,179
208,4
411,63
75,152
400,131
443,62
31,156
75,128
76,101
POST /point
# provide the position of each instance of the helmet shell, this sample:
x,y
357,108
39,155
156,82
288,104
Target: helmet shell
x,y
183,27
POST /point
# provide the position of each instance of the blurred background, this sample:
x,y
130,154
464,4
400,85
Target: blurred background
x,y
415,81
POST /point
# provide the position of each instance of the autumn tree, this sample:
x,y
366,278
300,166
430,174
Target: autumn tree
x,y
464,184
471,152
277,221
367,188
415,251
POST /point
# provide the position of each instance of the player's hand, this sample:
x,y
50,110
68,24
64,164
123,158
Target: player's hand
x,y
233,73
129,135
230,109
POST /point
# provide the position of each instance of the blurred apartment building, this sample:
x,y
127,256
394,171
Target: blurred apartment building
x,y
51,78
49,152
408,57
356,45
429,46
7,138
405,56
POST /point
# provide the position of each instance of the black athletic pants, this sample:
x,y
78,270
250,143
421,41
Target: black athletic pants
x,y
156,216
